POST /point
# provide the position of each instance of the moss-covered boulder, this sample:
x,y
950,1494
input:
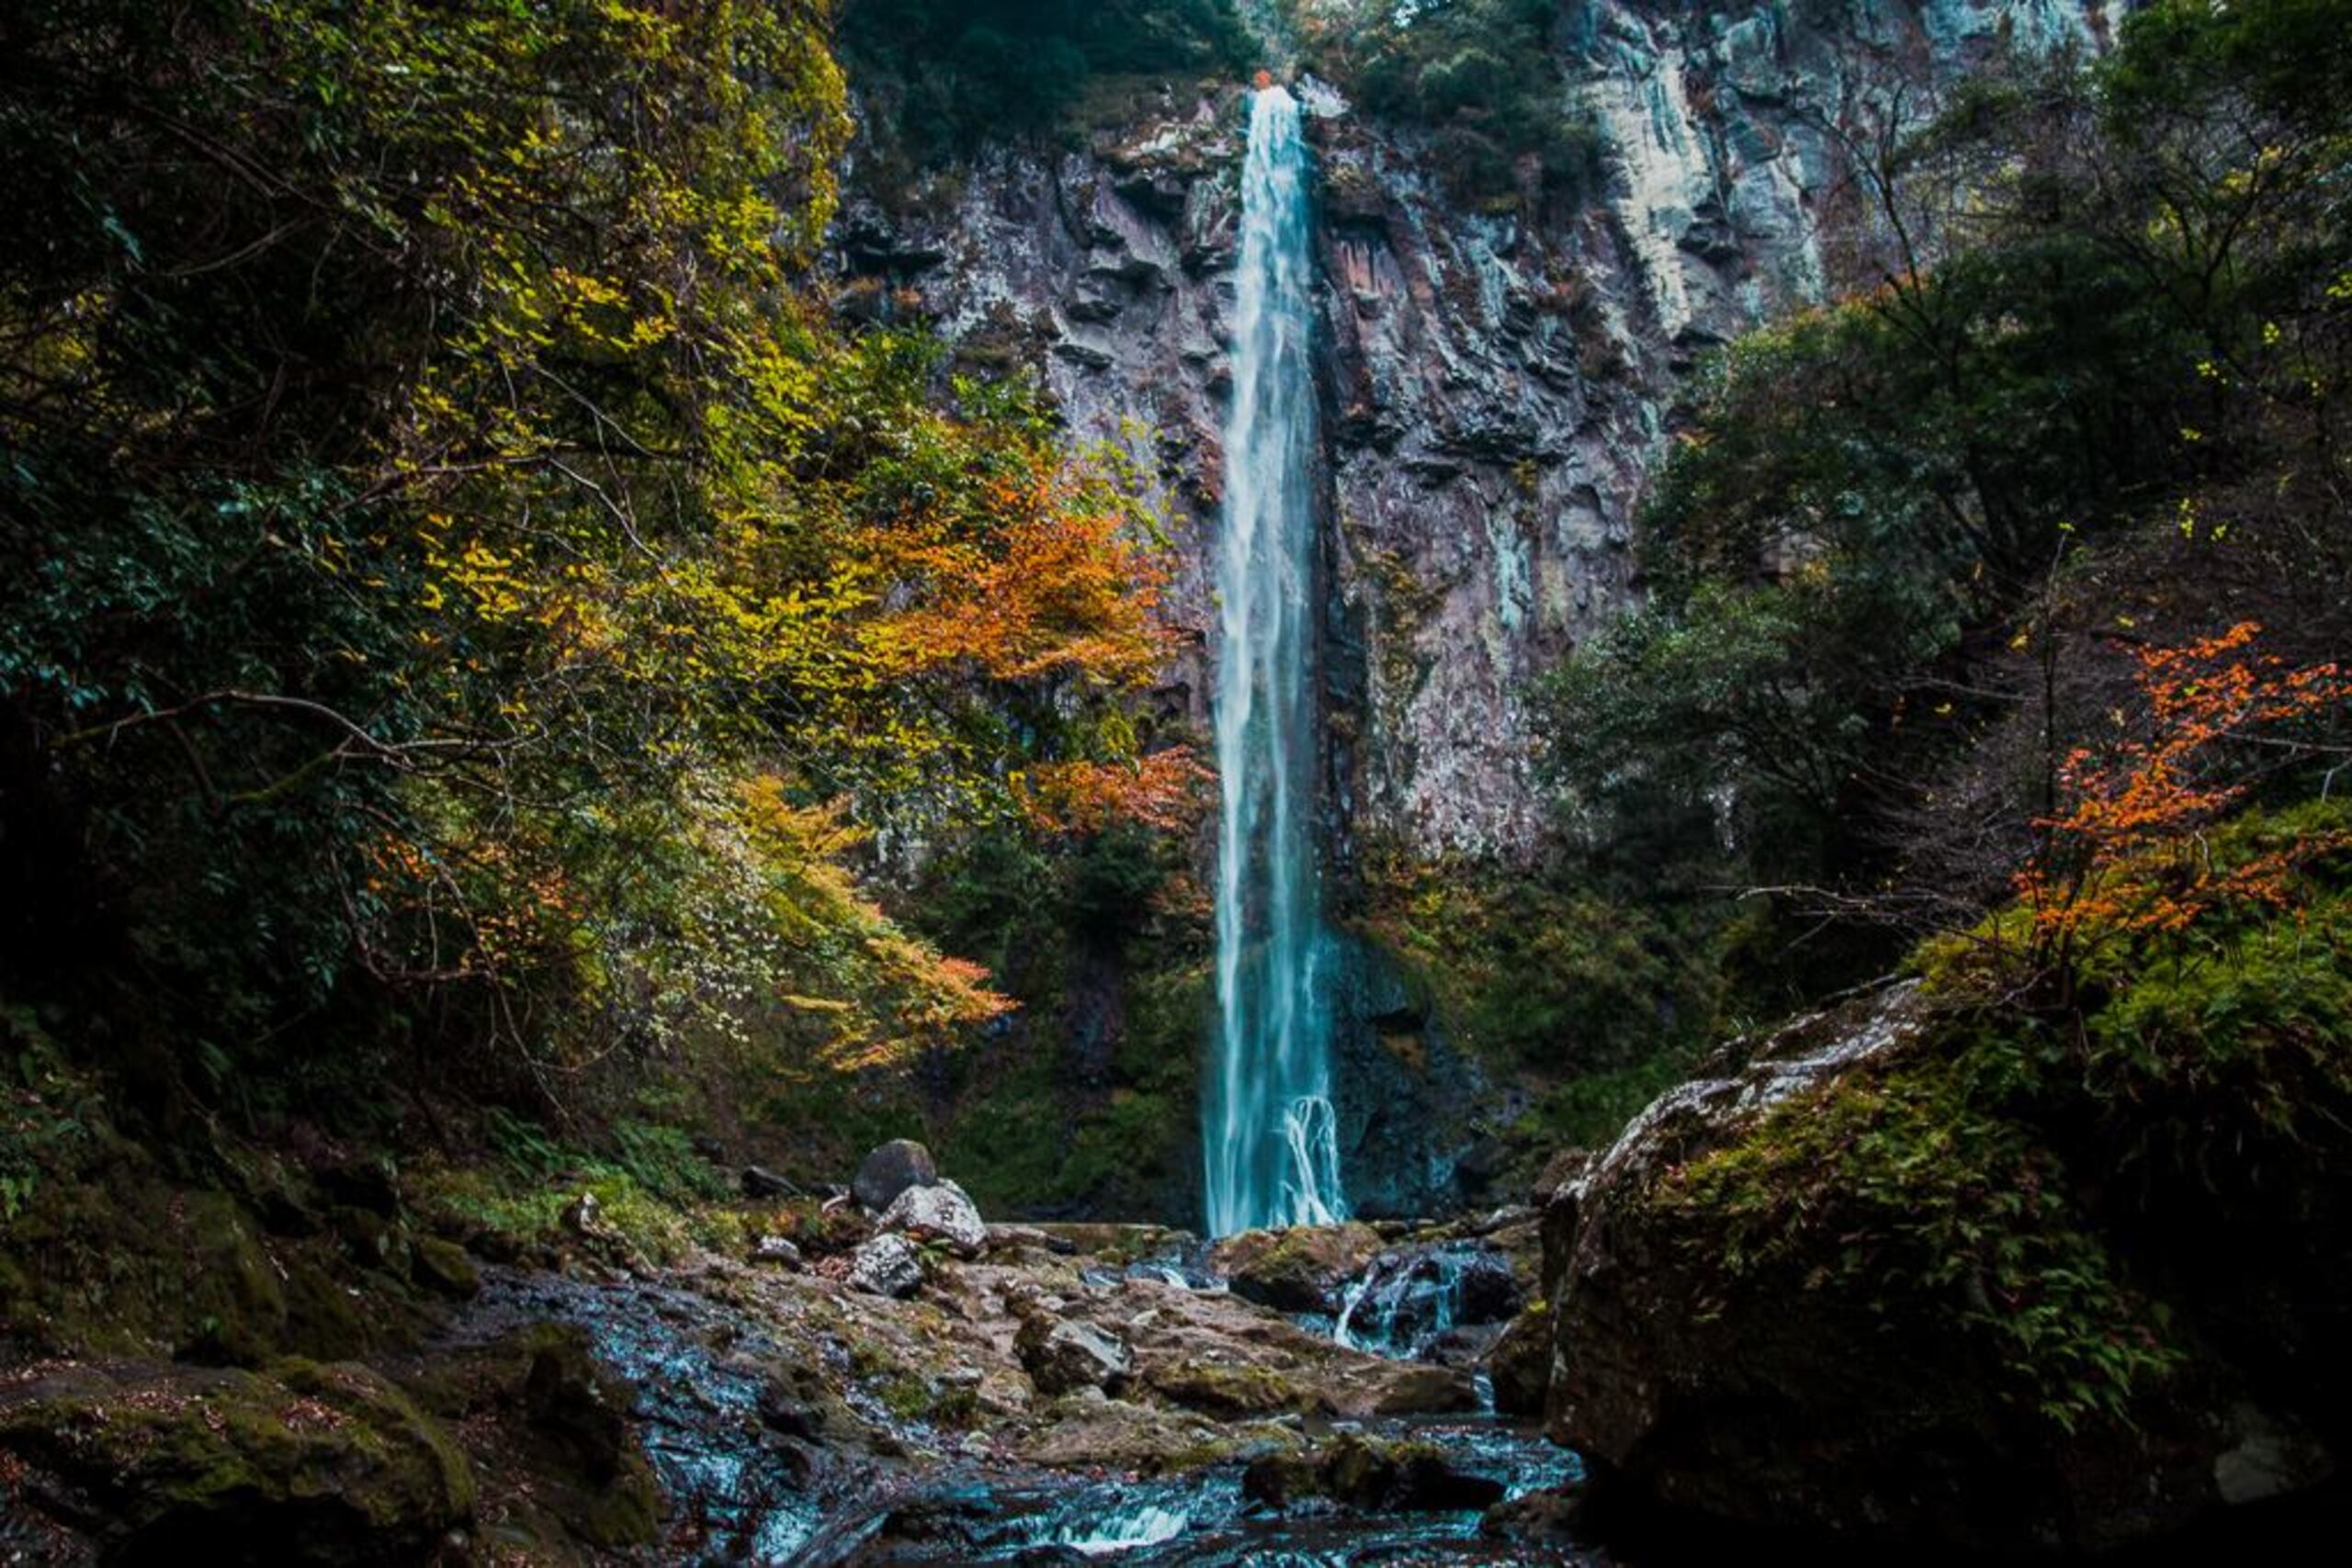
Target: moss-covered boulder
x,y
1929,1267
443,1266
124,1249
1298,1270
1219,1389
1117,1434
1368,1473
551,1431
306,1463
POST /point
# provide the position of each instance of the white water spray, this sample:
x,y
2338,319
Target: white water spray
x,y
1271,1137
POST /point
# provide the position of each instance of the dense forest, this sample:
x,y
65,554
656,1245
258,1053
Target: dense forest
x,y
559,686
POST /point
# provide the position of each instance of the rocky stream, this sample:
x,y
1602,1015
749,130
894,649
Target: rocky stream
x,y
945,1390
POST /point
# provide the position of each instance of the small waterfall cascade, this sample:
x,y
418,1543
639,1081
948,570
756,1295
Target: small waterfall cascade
x,y
1269,1135
1408,1299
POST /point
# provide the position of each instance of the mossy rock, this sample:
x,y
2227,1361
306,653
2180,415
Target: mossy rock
x,y
1115,1433
307,1464
550,1425
112,1258
1228,1391
1370,1473
1298,1270
443,1266
1910,1270
1520,1366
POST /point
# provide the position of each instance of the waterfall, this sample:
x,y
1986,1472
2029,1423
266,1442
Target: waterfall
x,y
1269,1135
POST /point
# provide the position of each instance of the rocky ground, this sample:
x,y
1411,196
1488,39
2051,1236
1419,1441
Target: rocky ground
x,y
892,1381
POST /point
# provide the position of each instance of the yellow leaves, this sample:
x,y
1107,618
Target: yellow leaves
x,y
486,579
832,1006
905,994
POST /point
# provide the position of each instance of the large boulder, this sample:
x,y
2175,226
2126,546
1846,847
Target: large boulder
x,y
888,1265
1228,1389
942,1212
1302,1268
889,1169
306,1463
1063,1356
1768,1311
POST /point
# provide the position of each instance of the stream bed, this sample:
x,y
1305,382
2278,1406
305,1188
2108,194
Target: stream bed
x,y
1199,1519
748,1473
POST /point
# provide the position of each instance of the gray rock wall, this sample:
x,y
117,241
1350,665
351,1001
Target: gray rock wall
x,y
1496,380
1496,388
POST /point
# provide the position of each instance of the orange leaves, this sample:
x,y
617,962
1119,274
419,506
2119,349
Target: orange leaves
x,y
1050,584
480,907
1162,790
2122,858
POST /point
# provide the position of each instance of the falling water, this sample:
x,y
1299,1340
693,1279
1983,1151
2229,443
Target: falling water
x,y
1271,1136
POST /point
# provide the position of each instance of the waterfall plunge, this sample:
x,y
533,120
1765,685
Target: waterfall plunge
x,y
1270,1136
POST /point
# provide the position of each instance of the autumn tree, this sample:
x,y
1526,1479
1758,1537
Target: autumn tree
x,y
2123,858
458,578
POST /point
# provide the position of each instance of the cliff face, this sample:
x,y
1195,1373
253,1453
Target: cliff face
x,y
1496,380
1495,390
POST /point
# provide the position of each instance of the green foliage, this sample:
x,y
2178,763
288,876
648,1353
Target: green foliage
x,y
1952,1172
1482,77
1552,977
2097,386
1588,1109
45,1119
463,592
1530,973
658,1159
1032,1136
945,76
656,1197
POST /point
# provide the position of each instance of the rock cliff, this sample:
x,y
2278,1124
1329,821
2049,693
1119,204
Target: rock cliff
x,y
1496,380
1496,377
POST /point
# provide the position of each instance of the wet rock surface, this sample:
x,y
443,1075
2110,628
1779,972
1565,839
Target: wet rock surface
x,y
1068,1390
1363,1473
1019,1403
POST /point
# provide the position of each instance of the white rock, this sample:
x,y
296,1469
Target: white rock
x,y
886,1266
941,1212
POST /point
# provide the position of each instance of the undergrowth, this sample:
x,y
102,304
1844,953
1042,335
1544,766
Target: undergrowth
x,y
1954,1170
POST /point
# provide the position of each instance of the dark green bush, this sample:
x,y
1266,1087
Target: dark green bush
x,y
944,77
1484,76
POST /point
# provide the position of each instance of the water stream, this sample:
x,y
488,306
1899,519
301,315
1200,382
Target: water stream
x,y
1269,1133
